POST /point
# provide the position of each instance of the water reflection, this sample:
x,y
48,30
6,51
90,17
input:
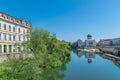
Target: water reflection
x,y
52,74
116,62
89,56
56,73
85,72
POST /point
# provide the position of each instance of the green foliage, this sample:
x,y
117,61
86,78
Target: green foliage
x,y
97,44
47,47
47,53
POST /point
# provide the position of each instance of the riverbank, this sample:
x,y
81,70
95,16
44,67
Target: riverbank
x,y
94,50
111,57
7,57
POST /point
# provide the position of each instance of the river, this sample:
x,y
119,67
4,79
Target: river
x,y
85,66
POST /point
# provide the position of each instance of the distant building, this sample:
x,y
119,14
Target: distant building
x,y
104,42
74,44
87,43
90,42
115,42
80,43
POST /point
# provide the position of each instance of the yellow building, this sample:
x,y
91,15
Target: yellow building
x,y
12,31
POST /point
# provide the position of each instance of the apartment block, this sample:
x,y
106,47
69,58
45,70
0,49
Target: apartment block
x,y
13,31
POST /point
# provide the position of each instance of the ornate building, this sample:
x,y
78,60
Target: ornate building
x,y
12,31
87,43
90,42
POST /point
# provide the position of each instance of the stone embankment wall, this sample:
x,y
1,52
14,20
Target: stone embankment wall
x,y
107,49
94,50
4,57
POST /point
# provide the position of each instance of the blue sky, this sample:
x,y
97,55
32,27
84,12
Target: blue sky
x,y
69,19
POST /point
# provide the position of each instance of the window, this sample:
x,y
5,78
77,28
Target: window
x,y
9,28
19,38
19,30
0,25
5,37
5,48
0,48
14,38
13,29
14,48
9,37
4,26
19,48
0,36
24,32
24,38
10,48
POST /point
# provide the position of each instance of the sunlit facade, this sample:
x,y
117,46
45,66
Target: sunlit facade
x,y
12,32
115,42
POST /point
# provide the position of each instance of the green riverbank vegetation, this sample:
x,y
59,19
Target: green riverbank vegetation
x,y
48,53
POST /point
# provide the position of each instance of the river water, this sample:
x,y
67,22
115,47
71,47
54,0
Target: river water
x,y
86,66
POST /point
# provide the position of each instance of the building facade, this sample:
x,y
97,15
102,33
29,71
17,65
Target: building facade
x,y
87,43
115,42
12,31
80,43
90,42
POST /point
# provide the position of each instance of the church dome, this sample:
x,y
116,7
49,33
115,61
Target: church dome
x,y
89,36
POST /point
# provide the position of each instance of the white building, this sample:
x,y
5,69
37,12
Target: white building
x,y
87,43
80,43
90,42
12,31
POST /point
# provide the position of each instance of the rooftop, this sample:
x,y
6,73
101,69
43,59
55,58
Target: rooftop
x,y
14,20
110,39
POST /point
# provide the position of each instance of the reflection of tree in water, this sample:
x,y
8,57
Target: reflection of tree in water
x,y
53,74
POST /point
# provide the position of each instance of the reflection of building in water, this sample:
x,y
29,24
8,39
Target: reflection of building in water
x,y
79,54
89,56
89,61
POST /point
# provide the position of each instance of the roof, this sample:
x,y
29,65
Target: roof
x,y
110,39
15,19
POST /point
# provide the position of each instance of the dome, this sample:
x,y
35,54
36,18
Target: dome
x,y
89,36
